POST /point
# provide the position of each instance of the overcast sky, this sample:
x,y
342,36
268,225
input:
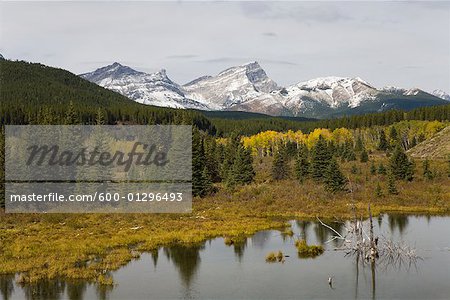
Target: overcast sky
x,y
388,43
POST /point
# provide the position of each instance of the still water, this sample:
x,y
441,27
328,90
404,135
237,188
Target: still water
x,y
216,271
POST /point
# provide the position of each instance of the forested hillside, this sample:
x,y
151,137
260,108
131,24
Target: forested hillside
x,y
36,94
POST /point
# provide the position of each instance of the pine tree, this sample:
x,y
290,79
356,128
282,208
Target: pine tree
x,y
364,156
381,169
99,117
279,166
201,183
335,181
302,164
359,146
211,157
241,171
392,187
400,165
373,169
427,173
70,115
383,144
393,136
349,153
320,159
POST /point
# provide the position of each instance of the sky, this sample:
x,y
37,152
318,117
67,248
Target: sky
x,y
405,44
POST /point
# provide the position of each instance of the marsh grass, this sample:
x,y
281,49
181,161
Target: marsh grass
x,y
272,257
308,251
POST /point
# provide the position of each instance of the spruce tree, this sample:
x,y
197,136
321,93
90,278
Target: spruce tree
x,y
302,164
349,152
211,159
201,184
381,169
70,118
364,156
400,165
279,166
383,144
320,159
241,171
99,117
393,136
335,180
392,187
359,146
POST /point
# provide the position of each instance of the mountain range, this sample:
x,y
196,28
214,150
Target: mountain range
x,y
248,88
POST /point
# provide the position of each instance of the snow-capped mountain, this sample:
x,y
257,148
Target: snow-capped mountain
x,y
152,89
441,94
248,88
231,87
1,57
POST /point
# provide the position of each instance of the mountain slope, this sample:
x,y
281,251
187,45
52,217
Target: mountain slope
x,y
231,87
436,147
441,94
151,89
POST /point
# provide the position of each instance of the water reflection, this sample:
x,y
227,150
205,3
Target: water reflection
x,y
304,226
154,254
398,221
186,259
75,291
208,270
239,248
260,239
6,286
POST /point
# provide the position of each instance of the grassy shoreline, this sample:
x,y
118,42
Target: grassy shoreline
x,y
87,247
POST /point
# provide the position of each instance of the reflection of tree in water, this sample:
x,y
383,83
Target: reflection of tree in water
x,y
239,248
154,255
380,220
303,226
6,286
260,238
399,221
186,259
45,289
103,291
322,233
76,290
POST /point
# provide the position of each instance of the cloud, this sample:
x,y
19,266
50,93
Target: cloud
x,y
181,56
270,34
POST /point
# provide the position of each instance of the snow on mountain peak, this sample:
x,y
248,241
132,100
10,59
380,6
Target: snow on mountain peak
x,y
232,86
332,91
441,94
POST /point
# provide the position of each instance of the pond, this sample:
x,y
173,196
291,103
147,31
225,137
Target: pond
x,y
215,270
